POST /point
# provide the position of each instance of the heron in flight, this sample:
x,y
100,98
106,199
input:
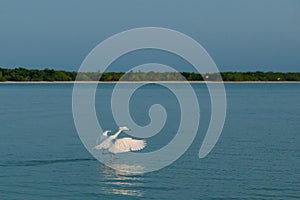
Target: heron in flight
x,y
120,145
102,137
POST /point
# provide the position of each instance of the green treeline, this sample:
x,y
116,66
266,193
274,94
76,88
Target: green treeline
x,y
22,74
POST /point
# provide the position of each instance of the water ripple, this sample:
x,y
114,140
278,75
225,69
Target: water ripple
x,y
41,162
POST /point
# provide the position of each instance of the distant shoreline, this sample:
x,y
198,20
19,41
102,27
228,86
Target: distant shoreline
x,y
126,82
50,76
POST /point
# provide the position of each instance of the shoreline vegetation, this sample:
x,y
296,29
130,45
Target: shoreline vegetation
x,y
22,75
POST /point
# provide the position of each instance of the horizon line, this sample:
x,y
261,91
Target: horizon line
x,y
65,70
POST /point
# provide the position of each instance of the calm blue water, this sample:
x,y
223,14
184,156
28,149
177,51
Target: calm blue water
x,y
257,156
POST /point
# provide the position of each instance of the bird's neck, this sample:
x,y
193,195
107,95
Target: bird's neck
x,y
117,133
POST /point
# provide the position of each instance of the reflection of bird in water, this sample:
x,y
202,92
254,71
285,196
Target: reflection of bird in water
x,y
121,145
122,183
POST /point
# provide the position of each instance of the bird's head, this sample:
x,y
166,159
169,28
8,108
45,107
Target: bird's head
x,y
124,128
106,132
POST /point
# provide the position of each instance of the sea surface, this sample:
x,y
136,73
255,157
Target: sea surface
x,y
256,157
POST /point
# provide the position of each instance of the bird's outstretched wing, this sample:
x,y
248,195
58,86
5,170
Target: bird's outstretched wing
x,y
126,145
101,138
105,144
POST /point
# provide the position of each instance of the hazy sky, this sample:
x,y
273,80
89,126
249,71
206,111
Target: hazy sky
x,y
240,35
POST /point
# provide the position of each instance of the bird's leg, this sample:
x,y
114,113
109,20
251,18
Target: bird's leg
x,y
104,152
112,156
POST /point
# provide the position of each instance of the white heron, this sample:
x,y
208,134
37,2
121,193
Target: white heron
x,y
102,137
121,145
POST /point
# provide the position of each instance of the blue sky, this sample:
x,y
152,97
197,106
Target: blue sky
x,y
240,35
